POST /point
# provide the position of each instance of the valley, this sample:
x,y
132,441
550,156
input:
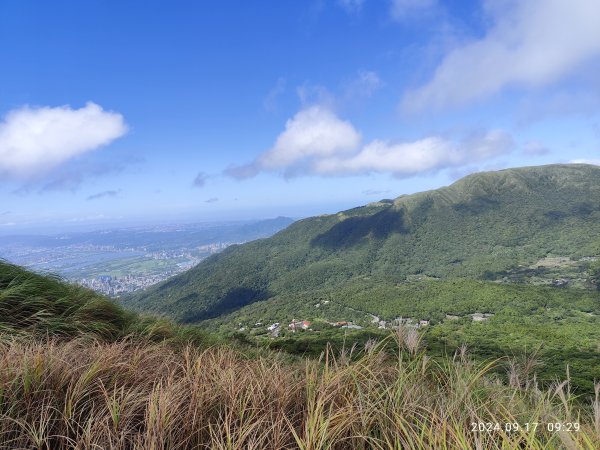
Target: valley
x,y
119,261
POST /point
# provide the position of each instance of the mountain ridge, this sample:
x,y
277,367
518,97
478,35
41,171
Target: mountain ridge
x,y
481,225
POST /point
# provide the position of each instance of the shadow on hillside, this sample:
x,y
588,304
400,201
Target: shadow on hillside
x,y
477,205
352,230
579,210
233,300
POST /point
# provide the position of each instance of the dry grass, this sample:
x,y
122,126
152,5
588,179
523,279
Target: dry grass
x,y
77,371
129,395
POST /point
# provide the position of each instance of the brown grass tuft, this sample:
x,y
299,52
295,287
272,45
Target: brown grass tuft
x,y
125,395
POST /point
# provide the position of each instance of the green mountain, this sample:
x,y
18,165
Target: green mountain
x,y
502,225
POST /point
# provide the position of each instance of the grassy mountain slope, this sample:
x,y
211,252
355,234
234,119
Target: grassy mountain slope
x,y
479,227
43,306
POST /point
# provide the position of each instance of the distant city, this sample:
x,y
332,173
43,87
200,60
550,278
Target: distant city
x,y
114,285
120,261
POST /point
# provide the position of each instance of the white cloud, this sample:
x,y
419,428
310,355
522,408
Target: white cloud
x,y
424,155
36,140
314,132
316,141
531,43
405,9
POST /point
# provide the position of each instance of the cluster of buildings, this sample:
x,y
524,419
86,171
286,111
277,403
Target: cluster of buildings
x,y
345,324
115,286
171,254
302,325
275,328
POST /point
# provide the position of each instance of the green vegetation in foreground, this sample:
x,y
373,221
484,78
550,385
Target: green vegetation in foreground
x,y
43,305
123,395
76,371
561,326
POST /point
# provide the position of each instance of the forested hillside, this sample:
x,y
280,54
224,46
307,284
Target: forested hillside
x,y
492,225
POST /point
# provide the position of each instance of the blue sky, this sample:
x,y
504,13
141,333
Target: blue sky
x,y
142,111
